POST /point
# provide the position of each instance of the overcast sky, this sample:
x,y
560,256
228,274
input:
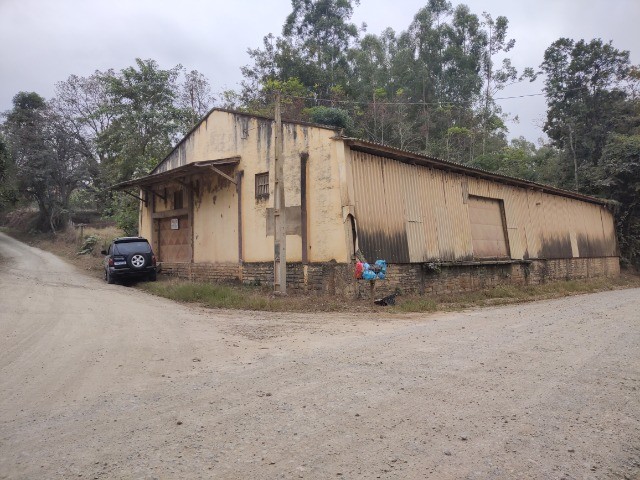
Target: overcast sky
x,y
45,41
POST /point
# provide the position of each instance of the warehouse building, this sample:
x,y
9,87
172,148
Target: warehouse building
x,y
208,210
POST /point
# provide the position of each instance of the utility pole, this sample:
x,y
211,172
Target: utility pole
x,y
279,211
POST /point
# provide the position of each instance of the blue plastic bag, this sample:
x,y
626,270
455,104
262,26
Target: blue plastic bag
x,y
368,275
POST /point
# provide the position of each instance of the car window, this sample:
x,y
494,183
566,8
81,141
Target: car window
x,y
126,248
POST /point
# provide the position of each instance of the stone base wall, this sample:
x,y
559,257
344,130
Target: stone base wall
x,y
337,279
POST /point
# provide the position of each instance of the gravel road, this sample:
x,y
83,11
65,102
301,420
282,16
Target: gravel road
x,y
104,381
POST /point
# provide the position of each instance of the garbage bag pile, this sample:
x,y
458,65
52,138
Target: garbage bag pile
x,y
366,271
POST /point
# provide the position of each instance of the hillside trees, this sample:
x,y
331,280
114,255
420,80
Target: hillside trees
x,y
146,119
586,87
429,88
49,161
620,179
99,130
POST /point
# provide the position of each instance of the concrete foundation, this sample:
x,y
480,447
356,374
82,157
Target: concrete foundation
x,y
423,278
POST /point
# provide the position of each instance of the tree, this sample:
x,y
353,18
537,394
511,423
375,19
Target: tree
x,y
83,102
313,48
146,119
495,80
620,180
521,159
585,86
8,190
195,95
429,88
50,163
320,31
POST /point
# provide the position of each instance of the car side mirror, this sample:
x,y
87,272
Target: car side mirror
x,y
103,252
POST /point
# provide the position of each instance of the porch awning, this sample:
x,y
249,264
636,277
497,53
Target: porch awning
x,y
179,172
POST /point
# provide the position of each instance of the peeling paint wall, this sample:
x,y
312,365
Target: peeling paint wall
x,y
215,200
215,220
144,217
408,213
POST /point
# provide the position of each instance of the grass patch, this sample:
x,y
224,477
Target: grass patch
x,y
244,297
509,294
261,298
212,295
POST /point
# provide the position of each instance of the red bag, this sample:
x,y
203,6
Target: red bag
x,y
359,269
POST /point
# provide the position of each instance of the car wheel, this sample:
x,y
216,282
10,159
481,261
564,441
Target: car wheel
x,y
153,276
107,276
137,261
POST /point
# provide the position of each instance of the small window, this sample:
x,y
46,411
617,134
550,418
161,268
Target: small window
x,y
178,200
262,185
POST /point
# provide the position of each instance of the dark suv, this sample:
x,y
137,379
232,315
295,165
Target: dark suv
x,y
129,257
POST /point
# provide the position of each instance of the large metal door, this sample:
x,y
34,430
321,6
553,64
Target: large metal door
x,y
487,228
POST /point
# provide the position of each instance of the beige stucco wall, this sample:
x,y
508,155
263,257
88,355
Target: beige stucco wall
x,y
144,220
215,206
215,220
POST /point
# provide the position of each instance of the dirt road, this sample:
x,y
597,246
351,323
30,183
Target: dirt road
x,y
104,381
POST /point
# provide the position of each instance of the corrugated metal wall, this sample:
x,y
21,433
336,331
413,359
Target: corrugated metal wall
x,y
408,213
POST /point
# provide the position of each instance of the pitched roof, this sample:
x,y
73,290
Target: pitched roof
x,y
407,156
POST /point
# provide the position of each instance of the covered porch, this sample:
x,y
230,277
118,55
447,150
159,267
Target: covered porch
x,y
168,204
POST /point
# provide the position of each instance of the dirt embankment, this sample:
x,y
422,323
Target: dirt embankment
x,y
103,381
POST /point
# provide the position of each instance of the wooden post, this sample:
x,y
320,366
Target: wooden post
x,y
279,211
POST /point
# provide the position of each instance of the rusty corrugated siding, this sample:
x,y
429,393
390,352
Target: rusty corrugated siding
x,y
413,213
381,232
408,213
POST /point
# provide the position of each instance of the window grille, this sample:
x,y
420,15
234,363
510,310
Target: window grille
x,y
262,185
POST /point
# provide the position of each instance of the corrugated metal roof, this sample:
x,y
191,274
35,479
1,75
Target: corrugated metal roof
x,y
408,156
184,170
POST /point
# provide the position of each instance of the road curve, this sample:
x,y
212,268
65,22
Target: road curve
x,y
104,381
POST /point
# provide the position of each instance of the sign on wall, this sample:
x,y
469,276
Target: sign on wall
x,y
175,224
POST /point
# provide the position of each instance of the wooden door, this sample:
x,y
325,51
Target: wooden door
x,y
174,244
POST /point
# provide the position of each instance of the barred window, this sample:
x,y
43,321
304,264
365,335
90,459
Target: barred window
x,y
262,185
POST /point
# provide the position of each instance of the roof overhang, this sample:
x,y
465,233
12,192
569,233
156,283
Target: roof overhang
x,y
418,159
178,173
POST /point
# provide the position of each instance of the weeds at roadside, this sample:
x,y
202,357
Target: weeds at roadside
x,y
242,297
